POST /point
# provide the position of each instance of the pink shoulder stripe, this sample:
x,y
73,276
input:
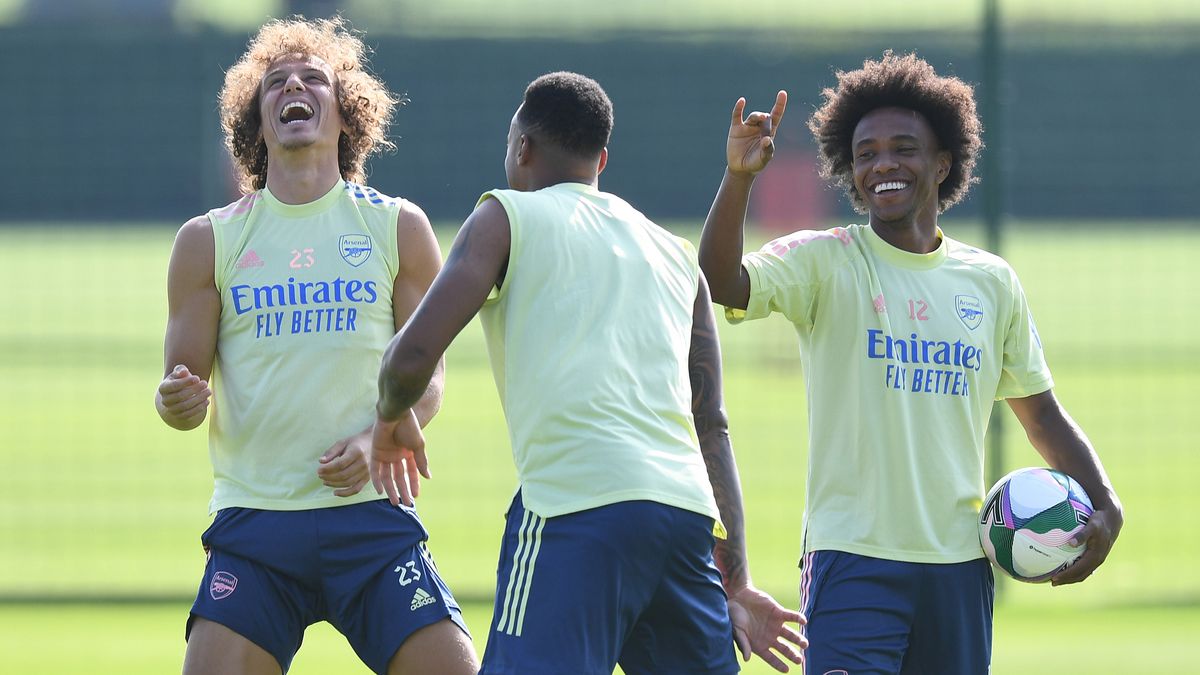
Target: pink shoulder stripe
x,y
238,208
782,245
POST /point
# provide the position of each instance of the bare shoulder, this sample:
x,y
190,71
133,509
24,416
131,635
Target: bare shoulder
x,y
412,221
486,229
491,217
195,234
195,249
419,253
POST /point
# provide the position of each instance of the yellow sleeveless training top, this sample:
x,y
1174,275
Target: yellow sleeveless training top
x,y
589,339
306,312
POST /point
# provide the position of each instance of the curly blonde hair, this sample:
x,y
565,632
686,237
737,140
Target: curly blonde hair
x,y
365,103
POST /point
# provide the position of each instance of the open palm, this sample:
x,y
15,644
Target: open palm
x,y
760,626
398,458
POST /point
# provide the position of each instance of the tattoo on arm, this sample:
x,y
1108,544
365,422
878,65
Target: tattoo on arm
x,y
712,429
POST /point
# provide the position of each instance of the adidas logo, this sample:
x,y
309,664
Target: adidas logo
x,y
420,599
250,259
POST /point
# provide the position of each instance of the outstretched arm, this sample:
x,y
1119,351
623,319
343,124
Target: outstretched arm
x,y
343,466
759,622
748,149
476,263
420,262
193,312
1064,446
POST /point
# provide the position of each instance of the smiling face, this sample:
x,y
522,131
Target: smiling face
x,y
898,165
298,104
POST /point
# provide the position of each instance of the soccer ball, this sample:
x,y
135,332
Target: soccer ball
x,y
1027,520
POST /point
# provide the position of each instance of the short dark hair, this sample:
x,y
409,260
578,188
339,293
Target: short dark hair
x,y
947,103
570,110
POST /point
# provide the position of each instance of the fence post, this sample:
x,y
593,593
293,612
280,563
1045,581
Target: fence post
x,y
992,184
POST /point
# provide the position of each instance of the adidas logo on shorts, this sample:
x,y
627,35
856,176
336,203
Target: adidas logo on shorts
x,y
420,599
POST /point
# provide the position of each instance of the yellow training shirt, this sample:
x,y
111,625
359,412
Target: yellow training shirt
x,y
589,338
903,355
306,312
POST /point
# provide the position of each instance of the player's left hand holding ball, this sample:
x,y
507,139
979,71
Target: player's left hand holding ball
x,y
398,458
1098,535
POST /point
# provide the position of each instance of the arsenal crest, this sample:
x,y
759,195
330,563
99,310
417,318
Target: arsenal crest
x,y
222,585
969,310
355,248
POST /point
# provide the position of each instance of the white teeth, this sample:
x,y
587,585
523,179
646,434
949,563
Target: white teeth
x,y
893,185
293,105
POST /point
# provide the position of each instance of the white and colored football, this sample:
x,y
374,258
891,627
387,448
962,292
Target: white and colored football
x,y
1028,519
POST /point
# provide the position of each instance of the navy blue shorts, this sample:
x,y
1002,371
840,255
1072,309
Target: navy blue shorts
x,y
868,615
364,568
631,583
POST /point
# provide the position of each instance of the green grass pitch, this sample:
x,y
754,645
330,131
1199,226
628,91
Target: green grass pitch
x,y
101,500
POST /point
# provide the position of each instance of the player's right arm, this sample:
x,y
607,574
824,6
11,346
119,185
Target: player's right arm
x,y
477,263
193,313
748,149
420,261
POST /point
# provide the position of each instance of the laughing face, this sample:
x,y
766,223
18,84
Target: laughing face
x,y
298,104
898,165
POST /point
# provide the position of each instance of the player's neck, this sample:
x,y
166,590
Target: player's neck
x,y
544,179
913,234
552,166
550,182
299,180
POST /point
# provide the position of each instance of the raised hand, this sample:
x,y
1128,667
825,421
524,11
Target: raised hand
x,y
760,627
398,458
344,465
182,399
751,141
